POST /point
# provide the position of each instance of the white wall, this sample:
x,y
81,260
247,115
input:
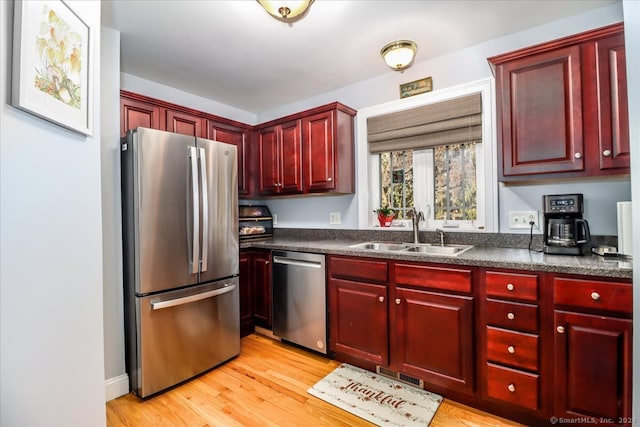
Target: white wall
x,y
51,343
454,69
632,48
117,382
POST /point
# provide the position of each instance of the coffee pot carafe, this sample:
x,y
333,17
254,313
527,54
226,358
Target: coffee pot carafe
x,y
565,231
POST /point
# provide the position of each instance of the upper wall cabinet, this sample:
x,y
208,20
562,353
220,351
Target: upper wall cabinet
x,y
308,152
562,108
138,110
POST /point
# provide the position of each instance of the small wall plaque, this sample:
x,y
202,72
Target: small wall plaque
x,y
416,87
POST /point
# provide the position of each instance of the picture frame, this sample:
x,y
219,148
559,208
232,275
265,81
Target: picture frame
x,y
416,87
52,74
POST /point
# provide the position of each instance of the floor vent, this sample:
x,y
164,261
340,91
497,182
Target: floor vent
x,y
399,376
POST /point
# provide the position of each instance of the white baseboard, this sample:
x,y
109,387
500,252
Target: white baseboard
x,y
116,387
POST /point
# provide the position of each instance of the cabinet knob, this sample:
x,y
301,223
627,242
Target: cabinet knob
x,y
606,153
511,349
381,299
578,155
266,262
398,301
511,316
595,296
560,329
512,388
510,287
329,179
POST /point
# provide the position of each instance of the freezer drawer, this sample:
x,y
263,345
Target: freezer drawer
x,y
183,333
299,299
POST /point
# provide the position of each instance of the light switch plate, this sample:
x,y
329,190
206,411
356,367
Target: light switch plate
x,y
522,219
334,218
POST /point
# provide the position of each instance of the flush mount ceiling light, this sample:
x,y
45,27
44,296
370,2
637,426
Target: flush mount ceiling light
x,y
399,54
284,10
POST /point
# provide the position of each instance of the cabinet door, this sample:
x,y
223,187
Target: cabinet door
x,y
540,114
268,161
246,294
432,337
240,138
185,124
606,101
262,286
291,157
137,113
358,321
592,366
319,152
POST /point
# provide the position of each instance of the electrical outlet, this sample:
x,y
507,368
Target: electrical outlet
x,y
522,219
275,218
334,218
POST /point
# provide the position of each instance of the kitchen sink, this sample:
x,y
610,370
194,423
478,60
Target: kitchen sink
x,y
437,249
380,246
424,248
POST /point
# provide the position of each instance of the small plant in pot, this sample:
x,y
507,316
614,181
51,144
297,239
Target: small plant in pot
x,y
385,216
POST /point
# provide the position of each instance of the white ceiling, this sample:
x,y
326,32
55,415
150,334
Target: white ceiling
x,y
235,53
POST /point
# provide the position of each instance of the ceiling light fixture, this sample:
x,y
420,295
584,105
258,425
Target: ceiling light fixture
x,y
284,10
399,54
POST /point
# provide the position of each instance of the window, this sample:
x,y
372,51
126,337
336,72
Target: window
x,y
452,181
443,187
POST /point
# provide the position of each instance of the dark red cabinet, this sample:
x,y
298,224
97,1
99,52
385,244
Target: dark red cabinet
x,y
184,123
562,108
136,113
261,265
279,159
247,303
241,138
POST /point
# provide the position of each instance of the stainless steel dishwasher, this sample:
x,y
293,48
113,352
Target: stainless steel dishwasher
x,y
299,299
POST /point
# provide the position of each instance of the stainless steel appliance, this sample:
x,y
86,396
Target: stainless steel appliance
x,y
255,222
180,222
565,231
299,299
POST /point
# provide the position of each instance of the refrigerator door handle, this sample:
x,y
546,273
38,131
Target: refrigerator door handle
x,y
194,262
205,209
192,298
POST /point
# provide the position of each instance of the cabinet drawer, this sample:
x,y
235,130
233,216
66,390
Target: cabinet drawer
x,y
510,385
358,269
512,348
512,286
611,296
448,279
512,315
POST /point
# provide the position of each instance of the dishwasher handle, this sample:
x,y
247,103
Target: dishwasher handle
x,y
296,262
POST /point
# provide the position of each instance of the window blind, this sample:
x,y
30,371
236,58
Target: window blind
x,y
449,122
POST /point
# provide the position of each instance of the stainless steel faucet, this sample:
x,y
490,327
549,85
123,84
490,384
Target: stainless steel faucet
x,y
416,217
441,236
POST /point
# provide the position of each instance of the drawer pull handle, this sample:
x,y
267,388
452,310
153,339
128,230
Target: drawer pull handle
x,y
381,299
511,349
560,329
397,300
510,287
512,388
595,296
511,316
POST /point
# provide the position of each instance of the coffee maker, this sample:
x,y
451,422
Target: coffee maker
x,y
565,231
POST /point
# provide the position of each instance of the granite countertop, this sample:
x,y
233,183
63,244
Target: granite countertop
x,y
519,259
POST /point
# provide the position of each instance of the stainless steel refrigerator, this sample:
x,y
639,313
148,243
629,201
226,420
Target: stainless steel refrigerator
x,y
180,249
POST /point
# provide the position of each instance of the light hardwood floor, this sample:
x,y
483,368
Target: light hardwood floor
x,y
265,386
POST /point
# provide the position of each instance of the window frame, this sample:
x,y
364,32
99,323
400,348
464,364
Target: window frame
x,y
368,168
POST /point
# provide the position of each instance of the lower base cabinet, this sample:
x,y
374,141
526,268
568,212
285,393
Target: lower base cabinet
x,y
255,291
528,346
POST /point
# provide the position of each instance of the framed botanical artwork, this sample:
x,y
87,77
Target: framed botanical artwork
x,y
52,64
416,87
